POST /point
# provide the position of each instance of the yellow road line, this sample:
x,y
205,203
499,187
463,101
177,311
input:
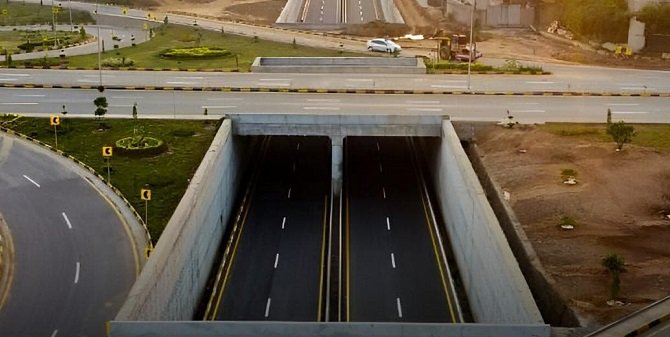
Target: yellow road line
x,y
232,256
346,251
437,258
323,253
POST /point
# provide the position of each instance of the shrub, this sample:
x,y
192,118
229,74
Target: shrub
x,y
567,222
568,173
194,52
621,133
139,146
117,62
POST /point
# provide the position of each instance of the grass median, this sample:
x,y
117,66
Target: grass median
x,y
166,174
655,136
242,50
22,14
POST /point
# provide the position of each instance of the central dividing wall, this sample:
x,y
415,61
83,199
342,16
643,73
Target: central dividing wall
x,y
496,289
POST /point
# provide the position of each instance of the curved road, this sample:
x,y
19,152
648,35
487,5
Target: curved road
x,y
73,263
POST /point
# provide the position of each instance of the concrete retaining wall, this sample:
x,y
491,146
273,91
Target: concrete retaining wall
x,y
395,65
497,291
286,329
172,281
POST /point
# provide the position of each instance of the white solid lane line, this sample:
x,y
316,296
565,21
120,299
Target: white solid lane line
x,y
425,109
283,223
19,103
393,260
76,274
29,95
388,224
384,192
448,86
267,307
323,100
67,221
529,111
219,106
7,79
321,108
32,181
275,79
224,99
289,193
179,82
397,300
276,260
422,102
17,75
53,334
540,82
630,112
127,97
189,77
380,168
623,104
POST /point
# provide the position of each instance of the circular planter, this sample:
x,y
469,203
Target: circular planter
x,y
140,147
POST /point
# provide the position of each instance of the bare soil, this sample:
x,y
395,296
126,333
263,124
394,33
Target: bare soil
x,y
617,204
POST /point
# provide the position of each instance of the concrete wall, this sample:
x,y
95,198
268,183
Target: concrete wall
x,y
496,289
172,281
336,125
636,38
286,329
395,65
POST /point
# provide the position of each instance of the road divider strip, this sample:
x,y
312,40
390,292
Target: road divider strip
x,y
116,191
341,91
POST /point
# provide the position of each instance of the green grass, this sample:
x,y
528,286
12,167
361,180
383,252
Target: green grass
x,y
11,40
146,55
648,135
167,174
20,14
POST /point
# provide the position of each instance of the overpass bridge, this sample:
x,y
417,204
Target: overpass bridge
x,y
173,281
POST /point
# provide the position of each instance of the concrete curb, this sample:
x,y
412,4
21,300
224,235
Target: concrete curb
x,y
619,327
344,91
6,261
95,173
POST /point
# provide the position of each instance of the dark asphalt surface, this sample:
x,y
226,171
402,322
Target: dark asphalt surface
x,y
413,290
44,298
293,286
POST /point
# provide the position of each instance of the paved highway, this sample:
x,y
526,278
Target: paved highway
x,y
566,79
73,263
278,265
392,251
169,104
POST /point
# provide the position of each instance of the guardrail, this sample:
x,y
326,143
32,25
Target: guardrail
x,y
95,173
618,327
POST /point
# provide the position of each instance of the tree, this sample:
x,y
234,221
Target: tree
x,y
100,106
615,266
609,117
656,17
621,133
135,119
606,20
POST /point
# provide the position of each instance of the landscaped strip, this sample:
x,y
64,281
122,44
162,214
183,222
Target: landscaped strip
x,y
167,174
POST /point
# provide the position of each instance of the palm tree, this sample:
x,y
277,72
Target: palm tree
x,y
615,266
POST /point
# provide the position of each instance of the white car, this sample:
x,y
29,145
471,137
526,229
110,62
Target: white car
x,y
383,45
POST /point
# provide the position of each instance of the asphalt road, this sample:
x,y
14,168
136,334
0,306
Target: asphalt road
x,y
392,263
277,267
73,258
169,104
565,79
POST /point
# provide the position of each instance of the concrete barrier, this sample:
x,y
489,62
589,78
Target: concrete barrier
x,y
295,329
172,281
497,291
395,65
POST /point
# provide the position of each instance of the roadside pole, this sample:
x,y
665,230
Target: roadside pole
x,y
55,122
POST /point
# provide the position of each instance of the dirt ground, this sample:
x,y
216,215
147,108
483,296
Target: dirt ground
x,y
617,205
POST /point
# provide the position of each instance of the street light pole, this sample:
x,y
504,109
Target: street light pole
x,y
97,23
69,5
470,50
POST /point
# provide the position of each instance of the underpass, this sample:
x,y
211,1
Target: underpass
x,y
394,266
276,270
173,283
